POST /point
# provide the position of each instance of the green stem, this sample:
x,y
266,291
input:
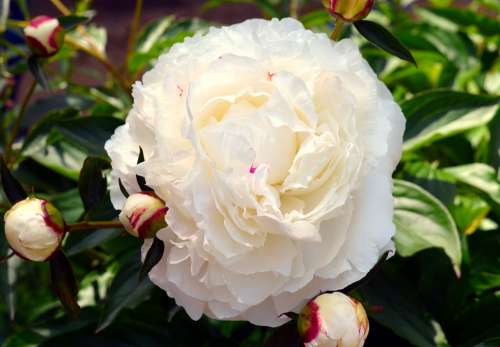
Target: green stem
x,y
294,8
337,31
92,225
18,120
134,29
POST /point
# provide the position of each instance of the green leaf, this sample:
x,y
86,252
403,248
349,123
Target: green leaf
x,y
89,133
71,21
64,282
125,291
141,181
40,130
439,114
36,70
70,205
394,304
78,242
481,177
12,188
382,38
152,258
423,222
285,336
123,190
478,321
463,18
92,184
59,156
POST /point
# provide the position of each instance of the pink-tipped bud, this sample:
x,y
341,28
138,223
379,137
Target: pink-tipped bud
x,y
332,320
143,215
34,229
349,10
44,36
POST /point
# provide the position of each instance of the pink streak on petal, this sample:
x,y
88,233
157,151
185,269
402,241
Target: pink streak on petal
x,y
159,214
134,218
181,91
252,169
52,37
37,21
48,221
314,321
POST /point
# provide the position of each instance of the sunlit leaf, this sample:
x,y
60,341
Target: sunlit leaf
x,y
423,222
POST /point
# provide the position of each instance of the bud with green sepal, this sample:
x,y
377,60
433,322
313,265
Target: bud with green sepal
x,y
143,215
44,36
34,229
349,10
333,319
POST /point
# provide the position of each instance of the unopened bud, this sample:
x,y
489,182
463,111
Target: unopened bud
x,y
44,36
34,229
349,10
332,320
143,215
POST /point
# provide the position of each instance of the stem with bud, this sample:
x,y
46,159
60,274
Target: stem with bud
x,y
337,31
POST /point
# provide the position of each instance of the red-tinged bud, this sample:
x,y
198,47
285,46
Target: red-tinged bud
x,y
143,215
44,36
349,10
332,320
34,229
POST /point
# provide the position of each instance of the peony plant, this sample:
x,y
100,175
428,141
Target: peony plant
x,y
290,180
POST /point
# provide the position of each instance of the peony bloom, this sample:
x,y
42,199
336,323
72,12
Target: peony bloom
x,y
273,148
143,215
44,36
349,10
332,320
34,229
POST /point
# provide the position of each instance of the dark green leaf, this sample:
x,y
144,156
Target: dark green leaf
x,y
141,181
381,37
285,336
12,188
42,128
125,291
395,304
35,66
92,183
64,282
152,258
71,21
78,242
122,188
89,133
479,321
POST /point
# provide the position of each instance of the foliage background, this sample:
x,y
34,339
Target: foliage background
x,y
441,289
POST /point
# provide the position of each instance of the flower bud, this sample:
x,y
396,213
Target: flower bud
x,y
44,36
349,10
332,320
143,215
34,229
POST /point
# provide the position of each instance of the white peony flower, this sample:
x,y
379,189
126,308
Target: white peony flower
x,y
143,215
34,229
273,148
332,320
